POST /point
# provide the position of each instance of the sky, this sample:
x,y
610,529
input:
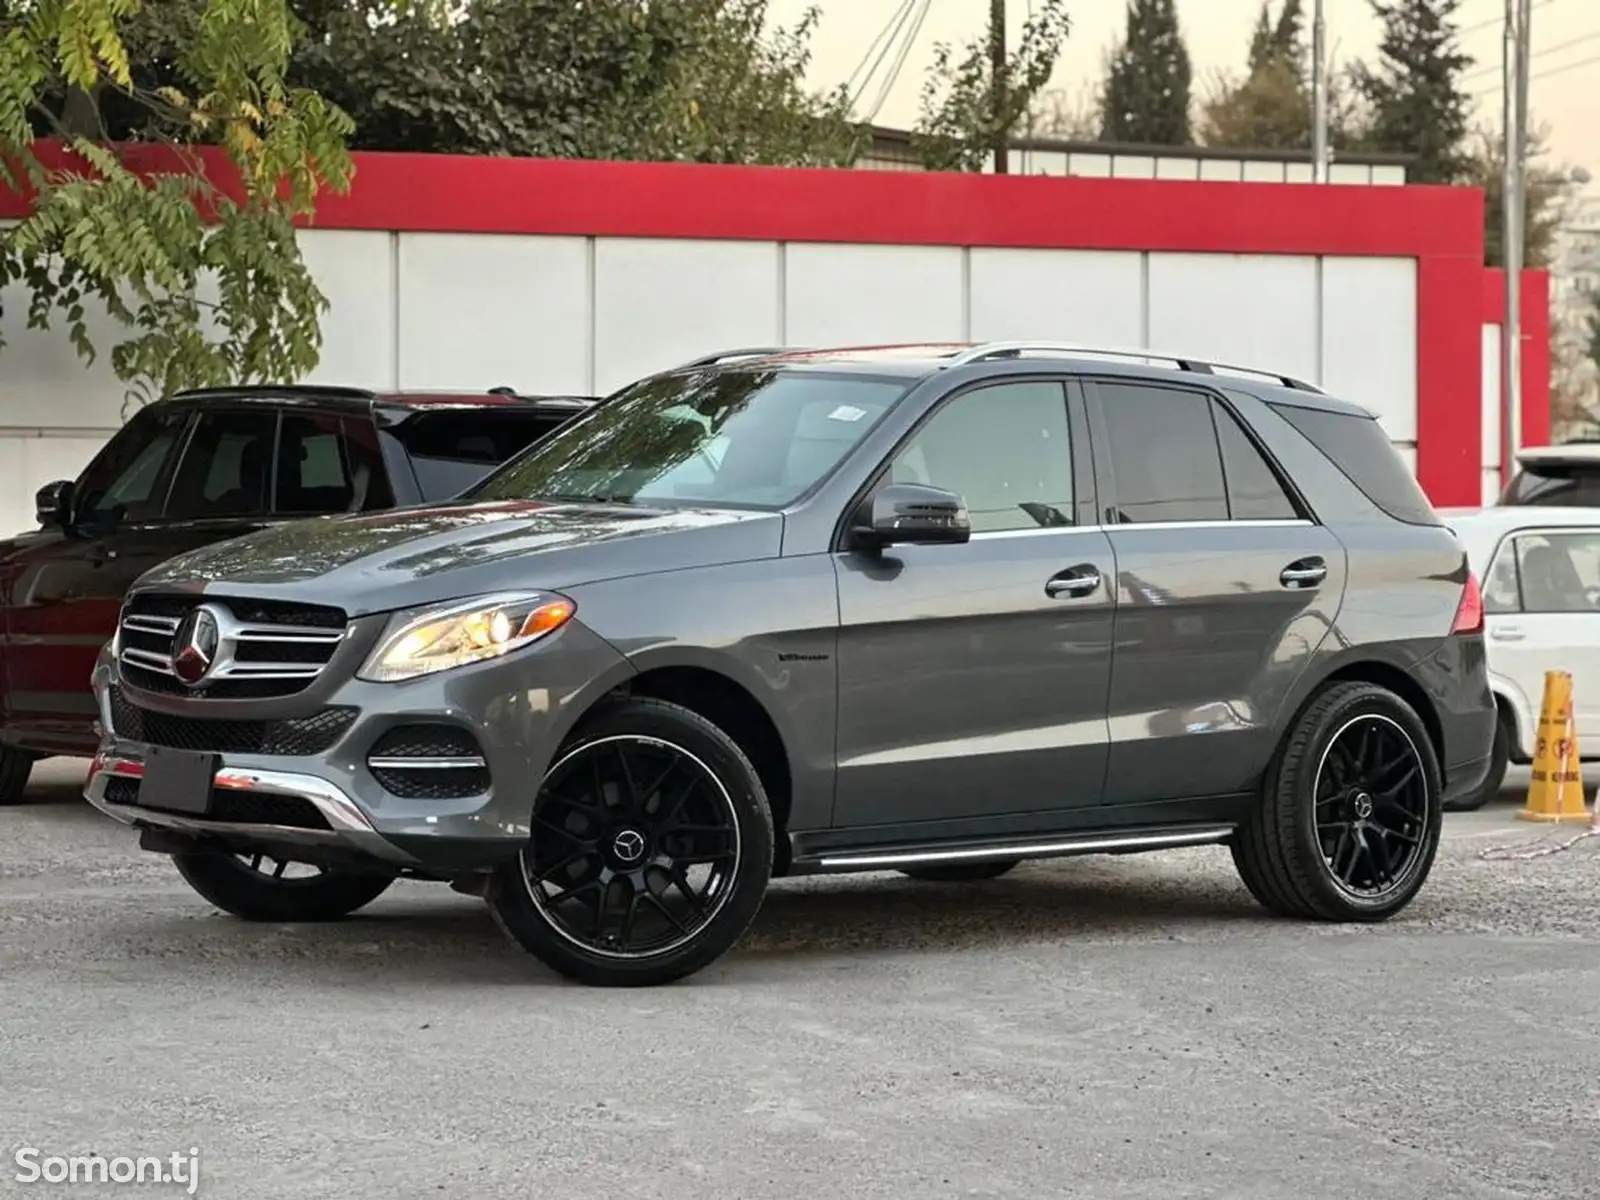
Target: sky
x,y
1564,93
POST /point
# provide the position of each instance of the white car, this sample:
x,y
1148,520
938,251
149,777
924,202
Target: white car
x,y
1540,568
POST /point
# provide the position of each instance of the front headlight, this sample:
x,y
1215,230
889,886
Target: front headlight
x,y
423,641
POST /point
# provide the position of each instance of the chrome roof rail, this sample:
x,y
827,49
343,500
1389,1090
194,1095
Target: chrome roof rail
x,y
707,360
992,350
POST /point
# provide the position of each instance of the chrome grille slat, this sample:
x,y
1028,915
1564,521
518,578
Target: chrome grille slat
x,y
250,654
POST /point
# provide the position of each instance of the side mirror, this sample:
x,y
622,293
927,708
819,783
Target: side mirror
x,y
53,504
909,514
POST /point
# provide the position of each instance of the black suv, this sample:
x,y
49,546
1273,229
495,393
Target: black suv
x,y
201,467
932,609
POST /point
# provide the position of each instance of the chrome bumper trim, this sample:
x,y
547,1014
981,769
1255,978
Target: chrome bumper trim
x,y
349,825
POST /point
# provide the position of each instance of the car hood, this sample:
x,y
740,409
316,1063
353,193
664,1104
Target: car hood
x,y
383,561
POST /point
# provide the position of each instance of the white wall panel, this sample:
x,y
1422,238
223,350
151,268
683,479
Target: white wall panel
x,y
1177,168
1369,337
1409,455
1230,170
43,382
28,463
659,303
1263,172
1088,296
1253,310
355,270
477,312
844,295
1489,405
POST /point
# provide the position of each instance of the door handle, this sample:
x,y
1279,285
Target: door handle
x,y
1507,633
1073,582
1303,573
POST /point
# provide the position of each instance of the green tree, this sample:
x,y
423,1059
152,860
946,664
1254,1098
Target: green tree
x,y
696,80
1413,94
204,301
1146,98
965,109
1280,41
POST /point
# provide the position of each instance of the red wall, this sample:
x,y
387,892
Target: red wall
x,y
1441,228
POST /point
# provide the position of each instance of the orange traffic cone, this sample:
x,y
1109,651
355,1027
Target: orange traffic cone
x,y
1555,791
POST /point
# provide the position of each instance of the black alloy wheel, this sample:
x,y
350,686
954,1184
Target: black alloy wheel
x,y
1348,819
650,851
261,887
1372,805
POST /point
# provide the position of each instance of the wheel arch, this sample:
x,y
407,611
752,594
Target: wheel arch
x,y
1379,671
718,688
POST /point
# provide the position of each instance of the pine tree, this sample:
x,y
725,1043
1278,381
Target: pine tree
x,y
1414,93
1146,97
1281,41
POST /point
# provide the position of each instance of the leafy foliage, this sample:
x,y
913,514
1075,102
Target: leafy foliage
x,y
1414,93
695,80
1281,41
966,110
1146,98
205,301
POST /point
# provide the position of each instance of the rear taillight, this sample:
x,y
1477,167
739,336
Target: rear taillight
x,y
1469,613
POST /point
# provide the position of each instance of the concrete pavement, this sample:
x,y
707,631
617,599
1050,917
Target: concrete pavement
x,y
1093,1028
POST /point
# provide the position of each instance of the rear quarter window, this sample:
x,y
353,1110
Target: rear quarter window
x,y
451,451
1358,446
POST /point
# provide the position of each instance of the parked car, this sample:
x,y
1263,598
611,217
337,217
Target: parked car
x,y
1565,476
931,609
202,467
1541,601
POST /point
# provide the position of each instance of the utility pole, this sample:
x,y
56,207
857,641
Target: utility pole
x,y
997,89
1514,113
1319,96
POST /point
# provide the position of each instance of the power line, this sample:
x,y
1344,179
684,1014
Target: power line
x,y
886,35
1545,74
1548,50
1496,21
900,60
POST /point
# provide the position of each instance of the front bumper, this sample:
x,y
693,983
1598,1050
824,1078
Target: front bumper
x,y
331,806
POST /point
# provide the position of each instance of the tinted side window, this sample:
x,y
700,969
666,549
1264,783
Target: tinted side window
x,y
1165,463
452,451
369,477
314,475
1559,572
227,466
1254,490
127,479
1006,449
1359,447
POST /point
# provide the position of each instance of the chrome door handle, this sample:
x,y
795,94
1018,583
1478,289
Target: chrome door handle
x,y
1507,634
1080,583
1302,576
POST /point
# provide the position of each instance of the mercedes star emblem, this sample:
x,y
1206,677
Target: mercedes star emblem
x,y
195,645
628,845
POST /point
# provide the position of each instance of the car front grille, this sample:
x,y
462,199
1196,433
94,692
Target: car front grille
x,y
264,648
299,736
429,762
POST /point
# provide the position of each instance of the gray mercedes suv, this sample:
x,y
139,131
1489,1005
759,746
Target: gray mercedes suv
x,y
932,609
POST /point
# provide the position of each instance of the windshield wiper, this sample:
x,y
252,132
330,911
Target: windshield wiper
x,y
584,497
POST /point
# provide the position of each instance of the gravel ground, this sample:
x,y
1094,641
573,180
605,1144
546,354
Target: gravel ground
x,y
1094,1028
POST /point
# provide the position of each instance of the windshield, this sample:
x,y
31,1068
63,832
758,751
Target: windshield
x,y
744,439
1559,484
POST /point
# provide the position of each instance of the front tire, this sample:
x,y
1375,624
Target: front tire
x,y
15,768
259,888
650,854
970,872
1348,820
1500,759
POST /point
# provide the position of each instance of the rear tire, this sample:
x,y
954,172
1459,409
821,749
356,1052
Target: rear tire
x,y
651,850
961,872
15,768
1500,759
1348,819
254,895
